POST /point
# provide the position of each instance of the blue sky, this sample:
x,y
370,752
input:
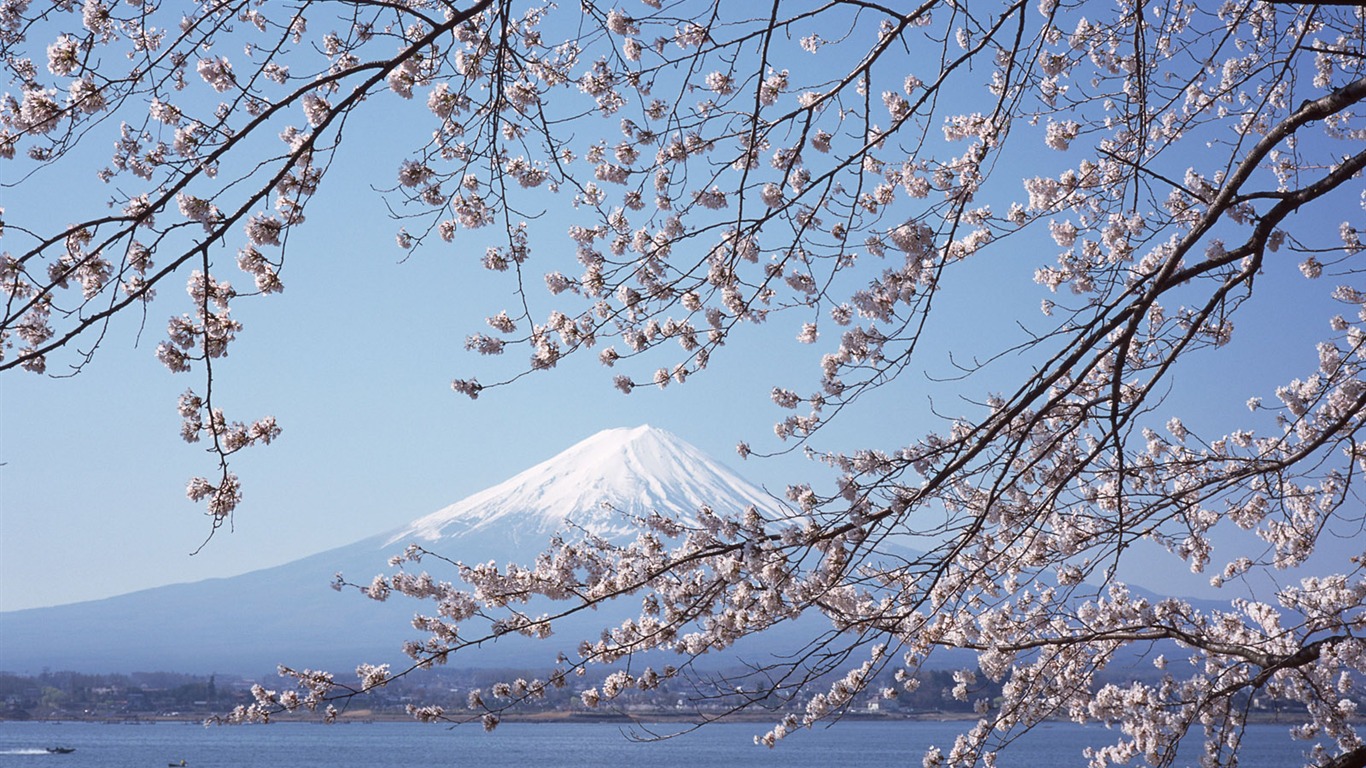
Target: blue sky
x,y
356,364
93,500
355,361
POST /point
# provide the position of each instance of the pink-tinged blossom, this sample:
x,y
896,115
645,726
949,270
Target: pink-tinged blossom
x,y
960,127
63,56
786,398
619,23
412,173
1351,238
222,498
690,35
468,387
444,103
264,230
1064,233
198,209
162,112
217,72
713,198
276,73
95,17
502,323
484,344
912,238
402,79
612,174
316,109
1059,134
39,111
773,86
897,106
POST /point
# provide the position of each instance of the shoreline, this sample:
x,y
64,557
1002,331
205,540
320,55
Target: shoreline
x,y
366,716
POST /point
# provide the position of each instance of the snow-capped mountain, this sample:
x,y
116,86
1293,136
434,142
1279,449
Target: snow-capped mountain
x,y
288,615
598,485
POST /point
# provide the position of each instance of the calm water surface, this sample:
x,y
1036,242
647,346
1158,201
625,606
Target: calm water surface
x,y
518,745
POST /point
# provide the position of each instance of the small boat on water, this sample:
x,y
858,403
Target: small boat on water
x,y
60,750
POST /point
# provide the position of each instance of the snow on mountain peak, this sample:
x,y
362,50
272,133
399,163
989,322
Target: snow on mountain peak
x,y
594,484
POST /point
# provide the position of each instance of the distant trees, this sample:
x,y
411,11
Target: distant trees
x,y
78,694
855,170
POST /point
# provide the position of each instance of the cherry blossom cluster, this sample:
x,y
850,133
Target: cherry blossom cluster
x,y
1144,170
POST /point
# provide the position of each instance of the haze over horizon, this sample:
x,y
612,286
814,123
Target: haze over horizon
x,y
293,617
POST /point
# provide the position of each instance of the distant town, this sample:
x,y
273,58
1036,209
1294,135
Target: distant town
x,y
160,696
157,696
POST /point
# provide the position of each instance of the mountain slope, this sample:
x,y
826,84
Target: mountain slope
x,y
288,615
598,485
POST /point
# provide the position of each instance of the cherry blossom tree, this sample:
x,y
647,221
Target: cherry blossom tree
x,y
840,166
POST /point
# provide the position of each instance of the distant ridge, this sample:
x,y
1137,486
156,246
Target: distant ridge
x,y
287,614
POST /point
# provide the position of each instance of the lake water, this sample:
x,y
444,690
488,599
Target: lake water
x,y
571,745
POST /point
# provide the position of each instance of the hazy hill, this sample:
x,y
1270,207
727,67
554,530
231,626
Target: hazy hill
x,y
289,615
